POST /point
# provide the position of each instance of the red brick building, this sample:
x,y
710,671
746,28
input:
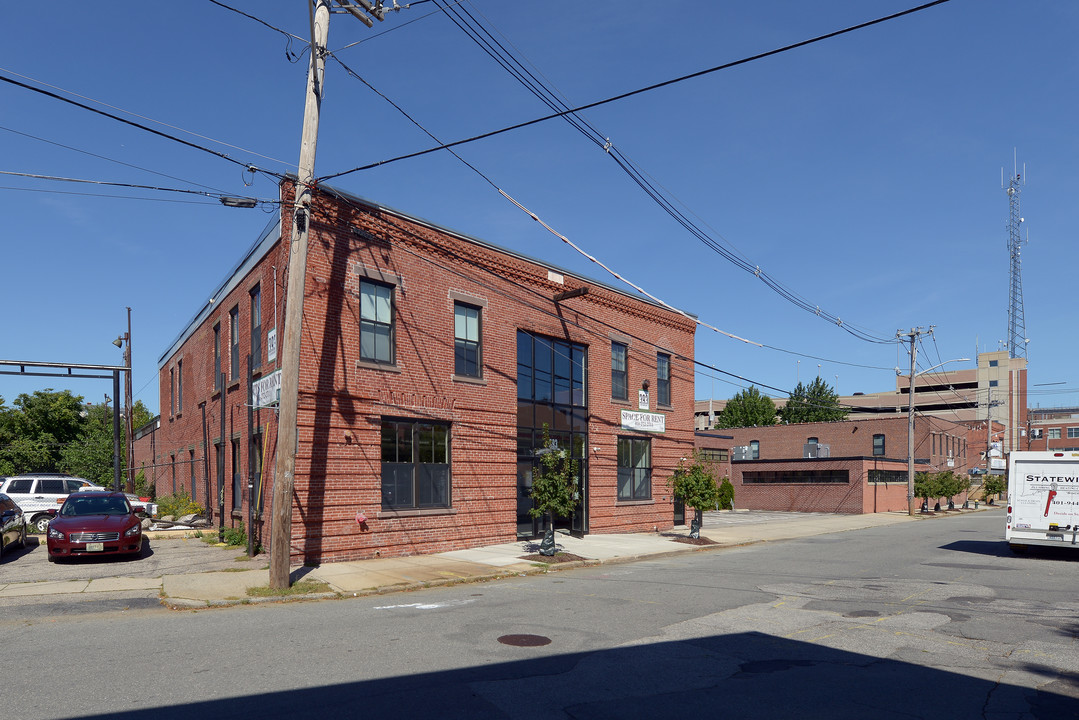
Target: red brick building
x,y
430,363
851,466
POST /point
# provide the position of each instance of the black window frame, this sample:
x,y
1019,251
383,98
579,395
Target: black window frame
x,y
237,475
754,449
631,476
467,353
663,379
425,477
234,343
374,323
879,445
179,386
256,326
619,377
217,356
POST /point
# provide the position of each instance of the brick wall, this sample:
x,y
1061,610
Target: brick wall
x,y
343,400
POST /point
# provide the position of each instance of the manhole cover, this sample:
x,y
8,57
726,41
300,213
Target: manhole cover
x,y
524,640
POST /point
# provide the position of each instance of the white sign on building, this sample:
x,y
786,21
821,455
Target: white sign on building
x,y
645,421
266,391
642,399
271,344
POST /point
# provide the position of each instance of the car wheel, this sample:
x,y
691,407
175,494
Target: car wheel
x,y
22,537
41,522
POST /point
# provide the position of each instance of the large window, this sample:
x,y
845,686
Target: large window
x,y
878,444
716,454
415,465
466,340
619,372
1054,433
217,356
796,477
663,379
234,342
634,468
551,392
376,322
1073,432
256,327
887,476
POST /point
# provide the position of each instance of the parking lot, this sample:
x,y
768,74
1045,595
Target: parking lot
x,y
161,555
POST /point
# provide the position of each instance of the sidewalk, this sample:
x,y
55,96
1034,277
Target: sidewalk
x,y
380,575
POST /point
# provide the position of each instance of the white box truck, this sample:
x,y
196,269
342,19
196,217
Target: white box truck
x,y
1043,499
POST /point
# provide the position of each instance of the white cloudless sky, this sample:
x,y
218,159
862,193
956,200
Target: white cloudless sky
x,y
863,172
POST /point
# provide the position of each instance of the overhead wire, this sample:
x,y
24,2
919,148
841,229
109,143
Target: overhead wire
x,y
289,37
61,98
109,159
105,195
638,91
497,51
134,186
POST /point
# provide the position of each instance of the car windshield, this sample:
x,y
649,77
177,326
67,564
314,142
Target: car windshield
x,y
86,505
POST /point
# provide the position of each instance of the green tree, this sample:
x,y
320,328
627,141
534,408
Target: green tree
x,y
555,489
89,455
816,402
747,409
34,431
695,485
927,486
992,486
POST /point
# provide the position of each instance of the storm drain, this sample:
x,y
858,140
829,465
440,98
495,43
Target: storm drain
x,y
524,640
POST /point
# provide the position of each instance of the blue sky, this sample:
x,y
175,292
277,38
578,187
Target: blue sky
x,y
862,172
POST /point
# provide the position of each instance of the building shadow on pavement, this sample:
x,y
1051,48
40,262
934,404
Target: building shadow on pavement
x,y
743,675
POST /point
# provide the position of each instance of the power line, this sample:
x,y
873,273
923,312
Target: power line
x,y
132,123
289,37
631,93
203,193
108,159
104,195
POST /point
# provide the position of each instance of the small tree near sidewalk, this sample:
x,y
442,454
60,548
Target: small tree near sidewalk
x,y
695,485
555,488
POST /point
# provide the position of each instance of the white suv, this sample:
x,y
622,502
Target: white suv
x,y
37,493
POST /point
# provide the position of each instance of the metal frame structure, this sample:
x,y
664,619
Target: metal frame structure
x,y
115,375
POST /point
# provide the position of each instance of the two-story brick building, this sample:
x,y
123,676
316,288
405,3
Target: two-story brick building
x,y
852,466
430,364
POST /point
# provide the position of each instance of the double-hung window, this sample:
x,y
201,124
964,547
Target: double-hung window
x,y
376,322
878,445
663,379
634,468
467,357
619,374
179,386
217,356
415,465
256,326
234,345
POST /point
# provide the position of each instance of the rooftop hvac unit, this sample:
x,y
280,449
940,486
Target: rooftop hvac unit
x,y
816,450
742,452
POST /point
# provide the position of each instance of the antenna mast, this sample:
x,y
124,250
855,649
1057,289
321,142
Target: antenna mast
x,y
1017,332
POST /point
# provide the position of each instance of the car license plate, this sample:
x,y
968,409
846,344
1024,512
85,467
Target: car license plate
x,y
95,547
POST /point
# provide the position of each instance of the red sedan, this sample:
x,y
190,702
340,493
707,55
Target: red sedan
x,y
94,523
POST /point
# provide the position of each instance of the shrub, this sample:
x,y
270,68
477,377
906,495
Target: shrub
x,y
144,488
178,505
235,536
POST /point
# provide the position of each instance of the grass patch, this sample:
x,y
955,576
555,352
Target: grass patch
x,y
301,587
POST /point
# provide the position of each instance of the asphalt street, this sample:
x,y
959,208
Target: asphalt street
x,y
934,619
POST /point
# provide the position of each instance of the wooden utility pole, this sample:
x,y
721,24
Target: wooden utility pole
x,y
128,426
287,431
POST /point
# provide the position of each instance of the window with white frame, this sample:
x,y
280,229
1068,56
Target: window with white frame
x,y
467,357
376,323
1054,433
619,372
663,379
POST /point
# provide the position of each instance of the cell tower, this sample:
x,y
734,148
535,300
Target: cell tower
x,y
1017,330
